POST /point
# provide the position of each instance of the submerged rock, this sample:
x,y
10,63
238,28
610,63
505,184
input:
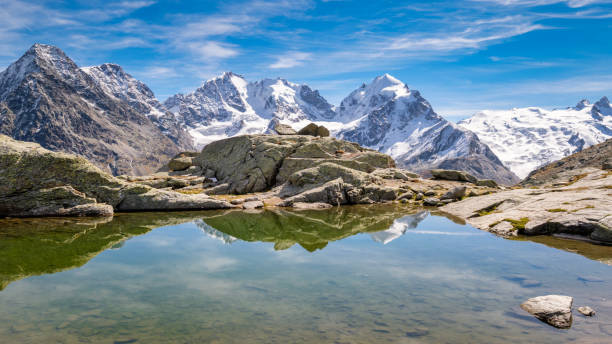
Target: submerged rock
x,y
314,205
555,310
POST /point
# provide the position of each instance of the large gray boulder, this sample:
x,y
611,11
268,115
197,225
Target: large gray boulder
x,y
460,176
37,182
284,129
256,163
456,193
314,130
180,163
555,310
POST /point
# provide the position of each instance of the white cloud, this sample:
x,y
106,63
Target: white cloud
x,y
534,3
213,50
472,35
290,60
159,72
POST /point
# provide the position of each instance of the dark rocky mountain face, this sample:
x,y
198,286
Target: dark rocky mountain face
x,y
46,98
115,81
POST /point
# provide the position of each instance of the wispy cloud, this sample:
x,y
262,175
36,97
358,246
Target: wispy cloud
x,y
213,50
290,60
535,3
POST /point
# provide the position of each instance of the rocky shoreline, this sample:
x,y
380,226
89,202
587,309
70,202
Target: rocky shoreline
x,y
571,198
300,171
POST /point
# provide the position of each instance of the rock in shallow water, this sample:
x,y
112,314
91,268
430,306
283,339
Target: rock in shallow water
x,y
586,310
555,310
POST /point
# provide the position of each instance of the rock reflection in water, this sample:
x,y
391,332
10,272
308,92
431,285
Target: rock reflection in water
x,y
32,246
311,229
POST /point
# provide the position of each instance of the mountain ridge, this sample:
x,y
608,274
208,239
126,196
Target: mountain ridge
x,y
383,114
48,99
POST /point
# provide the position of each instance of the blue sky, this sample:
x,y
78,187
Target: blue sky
x,y
463,56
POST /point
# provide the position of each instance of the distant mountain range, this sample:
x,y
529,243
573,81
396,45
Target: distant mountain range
x,y
114,120
527,138
384,115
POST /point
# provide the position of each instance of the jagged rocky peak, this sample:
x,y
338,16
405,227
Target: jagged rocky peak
x,y
115,81
582,104
603,106
39,58
50,100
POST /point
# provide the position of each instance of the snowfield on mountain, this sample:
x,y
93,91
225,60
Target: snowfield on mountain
x,y
527,138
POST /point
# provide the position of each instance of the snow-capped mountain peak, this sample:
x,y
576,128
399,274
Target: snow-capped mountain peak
x,y
370,96
39,57
387,116
603,106
228,105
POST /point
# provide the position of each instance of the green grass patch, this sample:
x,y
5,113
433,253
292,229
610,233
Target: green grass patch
x,y
556,210
494,224
518,224
488,210
586,207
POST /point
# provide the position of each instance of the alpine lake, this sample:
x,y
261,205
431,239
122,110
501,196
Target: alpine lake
x,y
353,274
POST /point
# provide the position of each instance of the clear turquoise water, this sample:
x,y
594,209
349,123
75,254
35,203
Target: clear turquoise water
x,y
284,277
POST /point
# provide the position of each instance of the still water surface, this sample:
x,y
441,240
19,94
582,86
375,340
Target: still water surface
x,y
376,274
